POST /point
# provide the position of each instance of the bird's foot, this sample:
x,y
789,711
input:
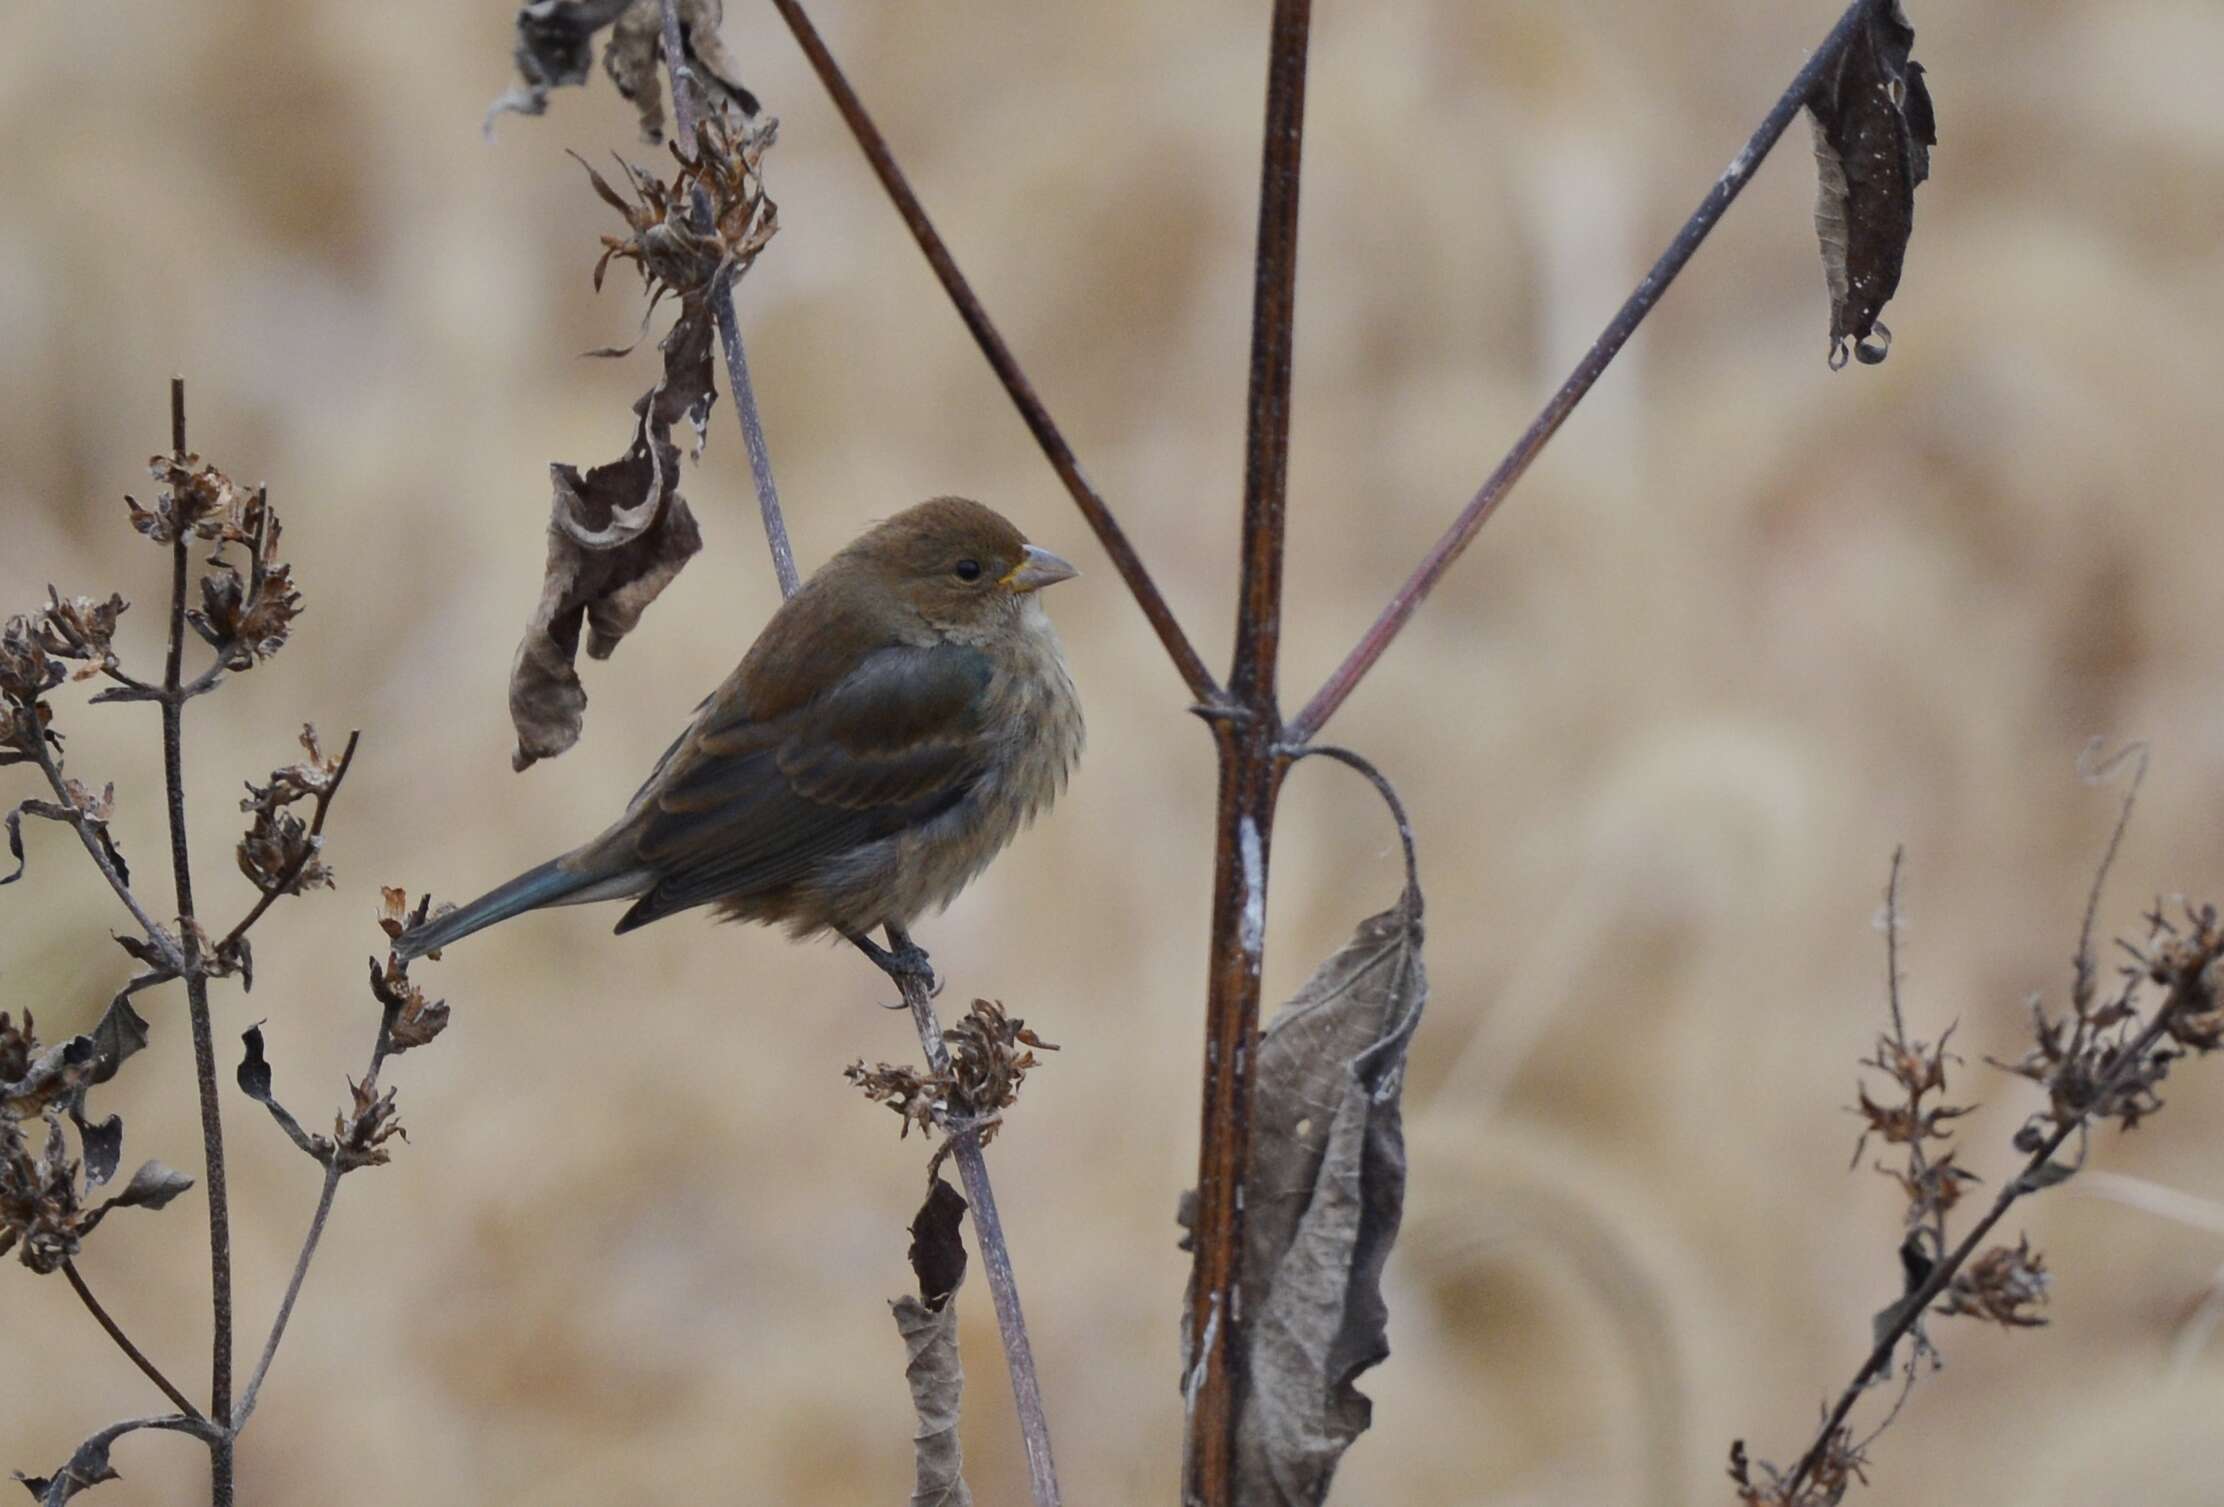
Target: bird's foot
x,y
903,959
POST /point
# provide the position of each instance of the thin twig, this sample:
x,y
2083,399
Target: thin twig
x,y
1455,540
988,1228
197,1002
173,958
334,1169
1389,793
285,881
1031,410
684,117
1252,762
138,1358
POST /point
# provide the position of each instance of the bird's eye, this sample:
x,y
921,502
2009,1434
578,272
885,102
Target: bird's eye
x,y
969,570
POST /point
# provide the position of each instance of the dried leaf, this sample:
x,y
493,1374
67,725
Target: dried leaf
x,y
255,1082
103,1145
122,1032
151,1187
929,1326
556,47
1326,1192
937,1246
617,536
635,60
1873,130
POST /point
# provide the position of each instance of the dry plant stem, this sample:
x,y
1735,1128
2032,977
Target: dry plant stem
x,y
197,1004
152,1372
684,116
1037,418
988,1228
334,1170
1917,1303
1455,540
1252,764
162,940
316,829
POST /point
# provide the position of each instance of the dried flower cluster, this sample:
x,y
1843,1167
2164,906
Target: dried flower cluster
x,y
713,217
990,1056
412,1020
2103,1061
44,1191
280,854
1826,1481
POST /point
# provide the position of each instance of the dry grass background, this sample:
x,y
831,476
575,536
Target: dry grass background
x,y
1749,625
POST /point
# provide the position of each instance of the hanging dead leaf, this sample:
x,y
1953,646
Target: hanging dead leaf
x,y
929,1326
556,47
1326,1191
617,536
1873,129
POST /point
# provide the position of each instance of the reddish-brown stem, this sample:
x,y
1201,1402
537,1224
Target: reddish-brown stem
x,y
1037,418
1346,677
1252,763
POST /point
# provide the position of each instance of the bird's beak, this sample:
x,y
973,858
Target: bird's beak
x,y
1036,569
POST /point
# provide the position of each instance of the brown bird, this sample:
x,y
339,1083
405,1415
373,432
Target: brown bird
x,y
893,727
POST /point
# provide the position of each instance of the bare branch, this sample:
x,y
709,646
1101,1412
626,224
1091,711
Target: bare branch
x,y
1031,410
152,1372
157,937
1455,540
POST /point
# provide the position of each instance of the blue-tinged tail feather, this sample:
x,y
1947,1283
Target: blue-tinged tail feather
x,y
549,884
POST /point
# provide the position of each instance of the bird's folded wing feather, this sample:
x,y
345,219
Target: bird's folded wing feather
x,y
745,805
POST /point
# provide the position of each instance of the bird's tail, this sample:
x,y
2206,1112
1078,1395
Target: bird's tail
x,y
549,884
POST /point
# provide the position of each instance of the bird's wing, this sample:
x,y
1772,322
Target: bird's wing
x,y
749,805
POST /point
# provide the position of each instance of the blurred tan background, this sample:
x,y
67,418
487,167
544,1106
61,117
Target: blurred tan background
x,y
1749,624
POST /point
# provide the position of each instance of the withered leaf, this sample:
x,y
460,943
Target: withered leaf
x,y
254,1068
635,60
556,47
151,1187
89,812
1873,129
55,1076
929,1326
255,1082
617,536
103,1143
937,1245
1326,1193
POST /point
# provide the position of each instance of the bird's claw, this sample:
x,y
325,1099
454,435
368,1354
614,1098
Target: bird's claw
x,y
906,960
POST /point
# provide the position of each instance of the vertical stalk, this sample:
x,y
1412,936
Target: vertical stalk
x,y
1248,735
197,1004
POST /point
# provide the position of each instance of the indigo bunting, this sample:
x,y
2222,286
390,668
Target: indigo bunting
x,y
892,728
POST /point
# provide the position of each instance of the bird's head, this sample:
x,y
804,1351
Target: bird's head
x,y
957,563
